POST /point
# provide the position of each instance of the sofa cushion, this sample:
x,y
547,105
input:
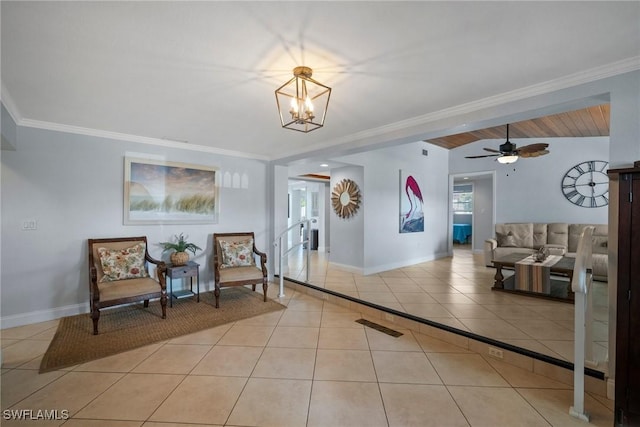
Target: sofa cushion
x,y
539,235
506,240
558,233
599,238
522,233
121,264
600,265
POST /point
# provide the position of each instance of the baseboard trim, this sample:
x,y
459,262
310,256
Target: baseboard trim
x,y
42,315
405,263
347,268
611,388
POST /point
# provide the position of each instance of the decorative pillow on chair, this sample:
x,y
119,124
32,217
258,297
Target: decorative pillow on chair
x,y
237,254
506,240
120,264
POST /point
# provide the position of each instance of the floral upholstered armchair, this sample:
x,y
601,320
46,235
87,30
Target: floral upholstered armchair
x,y
118,274
234,262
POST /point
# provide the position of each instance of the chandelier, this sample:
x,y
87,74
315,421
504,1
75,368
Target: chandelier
x,y
302,101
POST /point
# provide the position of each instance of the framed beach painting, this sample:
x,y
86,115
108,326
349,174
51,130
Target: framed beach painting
x,y
161,192
411,203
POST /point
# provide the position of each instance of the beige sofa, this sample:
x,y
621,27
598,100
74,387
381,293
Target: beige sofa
x,y
559,238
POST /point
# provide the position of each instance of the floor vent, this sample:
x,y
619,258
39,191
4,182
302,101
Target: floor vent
x,y
380,328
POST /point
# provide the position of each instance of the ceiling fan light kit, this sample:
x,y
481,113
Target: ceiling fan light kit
x,y
507,159
302,101
508,152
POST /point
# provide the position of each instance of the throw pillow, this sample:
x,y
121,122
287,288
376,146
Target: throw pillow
x,y
237,254
506,240
120,264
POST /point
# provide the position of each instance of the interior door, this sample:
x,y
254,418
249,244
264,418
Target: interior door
x,y
633,385
628,303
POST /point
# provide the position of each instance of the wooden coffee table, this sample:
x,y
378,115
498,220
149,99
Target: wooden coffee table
x,y
564,267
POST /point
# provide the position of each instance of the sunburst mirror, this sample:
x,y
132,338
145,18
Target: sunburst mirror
x,y
345,198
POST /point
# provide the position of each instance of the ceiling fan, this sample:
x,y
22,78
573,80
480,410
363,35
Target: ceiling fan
x,y
508,153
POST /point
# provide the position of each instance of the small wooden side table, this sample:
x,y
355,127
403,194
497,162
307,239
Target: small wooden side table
x,y
190,269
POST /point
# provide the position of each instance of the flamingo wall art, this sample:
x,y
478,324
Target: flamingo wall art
x,y
411,202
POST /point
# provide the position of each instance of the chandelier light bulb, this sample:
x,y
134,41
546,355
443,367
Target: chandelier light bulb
x,y
294,107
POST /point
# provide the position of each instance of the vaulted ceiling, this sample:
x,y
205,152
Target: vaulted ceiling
x,y
591,121
202,75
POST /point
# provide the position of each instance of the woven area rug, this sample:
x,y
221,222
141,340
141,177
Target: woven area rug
x,y
133,326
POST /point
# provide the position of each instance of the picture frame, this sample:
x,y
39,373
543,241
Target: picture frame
x,y
411,203
163,192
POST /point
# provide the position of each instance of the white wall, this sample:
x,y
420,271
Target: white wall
x,y
482,212
325,245
280,197
72,185
347,234
8,130
530,189
384,246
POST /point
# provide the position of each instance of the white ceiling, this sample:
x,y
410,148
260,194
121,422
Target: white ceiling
x,y
205,72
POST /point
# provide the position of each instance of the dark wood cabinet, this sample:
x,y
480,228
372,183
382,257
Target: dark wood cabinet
x,y
627,380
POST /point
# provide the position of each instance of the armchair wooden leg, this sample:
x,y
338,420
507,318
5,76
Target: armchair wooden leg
x,y
264,289
216,292
146,303
95,316
253,287
163,304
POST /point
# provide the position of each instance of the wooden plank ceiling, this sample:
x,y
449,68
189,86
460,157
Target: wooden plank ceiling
x,y
592,121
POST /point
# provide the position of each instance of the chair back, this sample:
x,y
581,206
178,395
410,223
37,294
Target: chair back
x,y
117,243
230,237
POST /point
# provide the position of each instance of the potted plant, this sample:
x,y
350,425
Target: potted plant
x,y
179,256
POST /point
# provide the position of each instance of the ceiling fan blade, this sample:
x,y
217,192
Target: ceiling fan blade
x,y
533,154
491,150
479,157
532,148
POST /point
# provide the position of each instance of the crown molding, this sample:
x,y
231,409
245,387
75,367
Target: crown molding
x,y
57,127
359,138
13,110
572,80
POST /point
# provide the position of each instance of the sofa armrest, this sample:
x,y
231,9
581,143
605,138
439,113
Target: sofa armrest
x,y
489,246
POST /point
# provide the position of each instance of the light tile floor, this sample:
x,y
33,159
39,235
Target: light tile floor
x,y
456,291
308,365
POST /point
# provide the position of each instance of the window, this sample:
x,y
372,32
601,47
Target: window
x,y
463,199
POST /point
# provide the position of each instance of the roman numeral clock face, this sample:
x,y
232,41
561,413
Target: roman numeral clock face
x,y
587,184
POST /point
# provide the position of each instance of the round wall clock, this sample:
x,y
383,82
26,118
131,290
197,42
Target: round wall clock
x,y
587,184
345,198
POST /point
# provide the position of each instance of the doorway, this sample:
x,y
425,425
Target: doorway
x,y
462,214
306,201
472,210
